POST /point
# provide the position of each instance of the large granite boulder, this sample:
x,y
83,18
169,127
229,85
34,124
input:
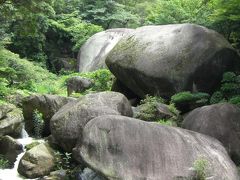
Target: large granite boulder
x,y
46,104
10,148
93,53
11,120
37,162
164,60
125,148
221,121
68,122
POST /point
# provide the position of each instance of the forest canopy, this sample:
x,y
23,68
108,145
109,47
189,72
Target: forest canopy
x,y
45,30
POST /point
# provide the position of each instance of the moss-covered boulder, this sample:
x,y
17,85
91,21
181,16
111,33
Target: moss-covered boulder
x,y
163,60
37,162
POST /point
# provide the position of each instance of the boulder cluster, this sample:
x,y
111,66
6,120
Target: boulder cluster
x,y
109,139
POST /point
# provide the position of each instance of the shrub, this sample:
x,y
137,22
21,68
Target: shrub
x,y
187,96
102,80
38,124
235,100
187,101
216,97
229,90
148,108
148,111
63,160
229,77
182,97
4,163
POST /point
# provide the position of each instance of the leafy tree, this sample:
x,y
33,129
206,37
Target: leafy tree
x,y
226,19
179,11
107,13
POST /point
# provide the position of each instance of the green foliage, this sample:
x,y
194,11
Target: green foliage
x,y
18,74
229,90
148,108
72,27
226,19
235,100
102,80
216,97
38,124
151,100
201,166
63,160
148,111
166,122
108,13
179,11
4,163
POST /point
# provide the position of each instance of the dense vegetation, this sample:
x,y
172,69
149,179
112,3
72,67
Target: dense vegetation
x,y
37,37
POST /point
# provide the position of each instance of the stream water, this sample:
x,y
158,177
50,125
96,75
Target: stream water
x,y
12,174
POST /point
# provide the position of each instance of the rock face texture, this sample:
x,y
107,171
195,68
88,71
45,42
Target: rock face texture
x,y
78,84
37,162
11,121
68,122
125,148
221,121
89,174
48,105
163,60
10,148
93,53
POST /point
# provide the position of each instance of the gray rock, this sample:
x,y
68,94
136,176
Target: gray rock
x,y
37,162
12,122
221,121
93,53
164,60
78,84
89,174
68,122
124,148
10,148
56,175
46,104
